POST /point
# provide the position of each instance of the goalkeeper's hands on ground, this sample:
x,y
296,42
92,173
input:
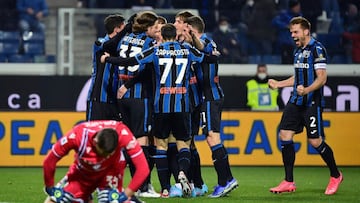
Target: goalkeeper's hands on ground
x,y
111,195
58,195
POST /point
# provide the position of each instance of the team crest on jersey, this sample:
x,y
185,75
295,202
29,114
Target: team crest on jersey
x,y
88,149
63,140
97,167
124,132
72,136
306,53
320,58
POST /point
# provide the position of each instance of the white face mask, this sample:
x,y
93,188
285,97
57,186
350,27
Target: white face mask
x,y
261,76
224,28
250,3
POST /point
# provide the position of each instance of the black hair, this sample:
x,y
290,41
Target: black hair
x,y
196,22
113,21
293,3
168,31
107,140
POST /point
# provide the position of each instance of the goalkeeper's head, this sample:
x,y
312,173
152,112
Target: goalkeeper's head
x,y
106,141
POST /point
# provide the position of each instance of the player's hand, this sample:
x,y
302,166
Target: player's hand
x,y
58,195
272,84
215,52
111,195
301,90
104,56
121,91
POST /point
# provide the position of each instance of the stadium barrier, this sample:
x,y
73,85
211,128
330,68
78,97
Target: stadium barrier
x,y
250,138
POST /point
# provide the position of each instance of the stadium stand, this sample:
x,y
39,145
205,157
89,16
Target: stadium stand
x,y
20,58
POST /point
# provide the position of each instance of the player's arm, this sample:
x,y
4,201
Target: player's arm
x,y
111,45
49,167
274,84
138,159
131,61
321,77
60,149
200,57
210,58
142,76
141,58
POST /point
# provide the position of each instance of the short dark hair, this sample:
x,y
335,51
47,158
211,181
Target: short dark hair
x,y
261,65
196,22
107,140
293,3
112,21
304,23
168,31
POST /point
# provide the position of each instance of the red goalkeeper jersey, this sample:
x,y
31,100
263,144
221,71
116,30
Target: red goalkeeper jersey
x,y
89,166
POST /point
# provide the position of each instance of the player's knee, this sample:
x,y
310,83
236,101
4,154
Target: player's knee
x,y
315,142
286,135
213,139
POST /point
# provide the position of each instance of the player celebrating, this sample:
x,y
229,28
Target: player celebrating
x,y
305,106
172,62
134,105
101,101
99,163
207,74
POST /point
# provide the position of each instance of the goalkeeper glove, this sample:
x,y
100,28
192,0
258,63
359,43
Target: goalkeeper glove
x,y
111,196
58,195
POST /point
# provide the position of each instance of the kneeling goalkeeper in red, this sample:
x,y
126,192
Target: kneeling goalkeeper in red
x,y
99,163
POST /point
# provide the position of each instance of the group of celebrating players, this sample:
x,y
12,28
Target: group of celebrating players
x,y
153,85
155,82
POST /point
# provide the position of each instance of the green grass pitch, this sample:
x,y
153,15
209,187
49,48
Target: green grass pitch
x,y
26,185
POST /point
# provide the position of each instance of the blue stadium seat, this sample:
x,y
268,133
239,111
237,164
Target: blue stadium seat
x,y
18,58
7,48
3,58
271,59
9,36
37,37
339,59
34,48
254,59
332,42
51,58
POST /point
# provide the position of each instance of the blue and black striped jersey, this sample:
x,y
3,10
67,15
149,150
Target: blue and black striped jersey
x,y
207,73
306,61
129,46
172,62
195,94
104,76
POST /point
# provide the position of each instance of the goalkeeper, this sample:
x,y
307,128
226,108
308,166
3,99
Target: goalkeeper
x,y
99,163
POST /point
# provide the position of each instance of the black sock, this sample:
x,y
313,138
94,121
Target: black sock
x,y
195,169
172,154
221,164
288,155
152,153
327,155
162,166
184,157
145,186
